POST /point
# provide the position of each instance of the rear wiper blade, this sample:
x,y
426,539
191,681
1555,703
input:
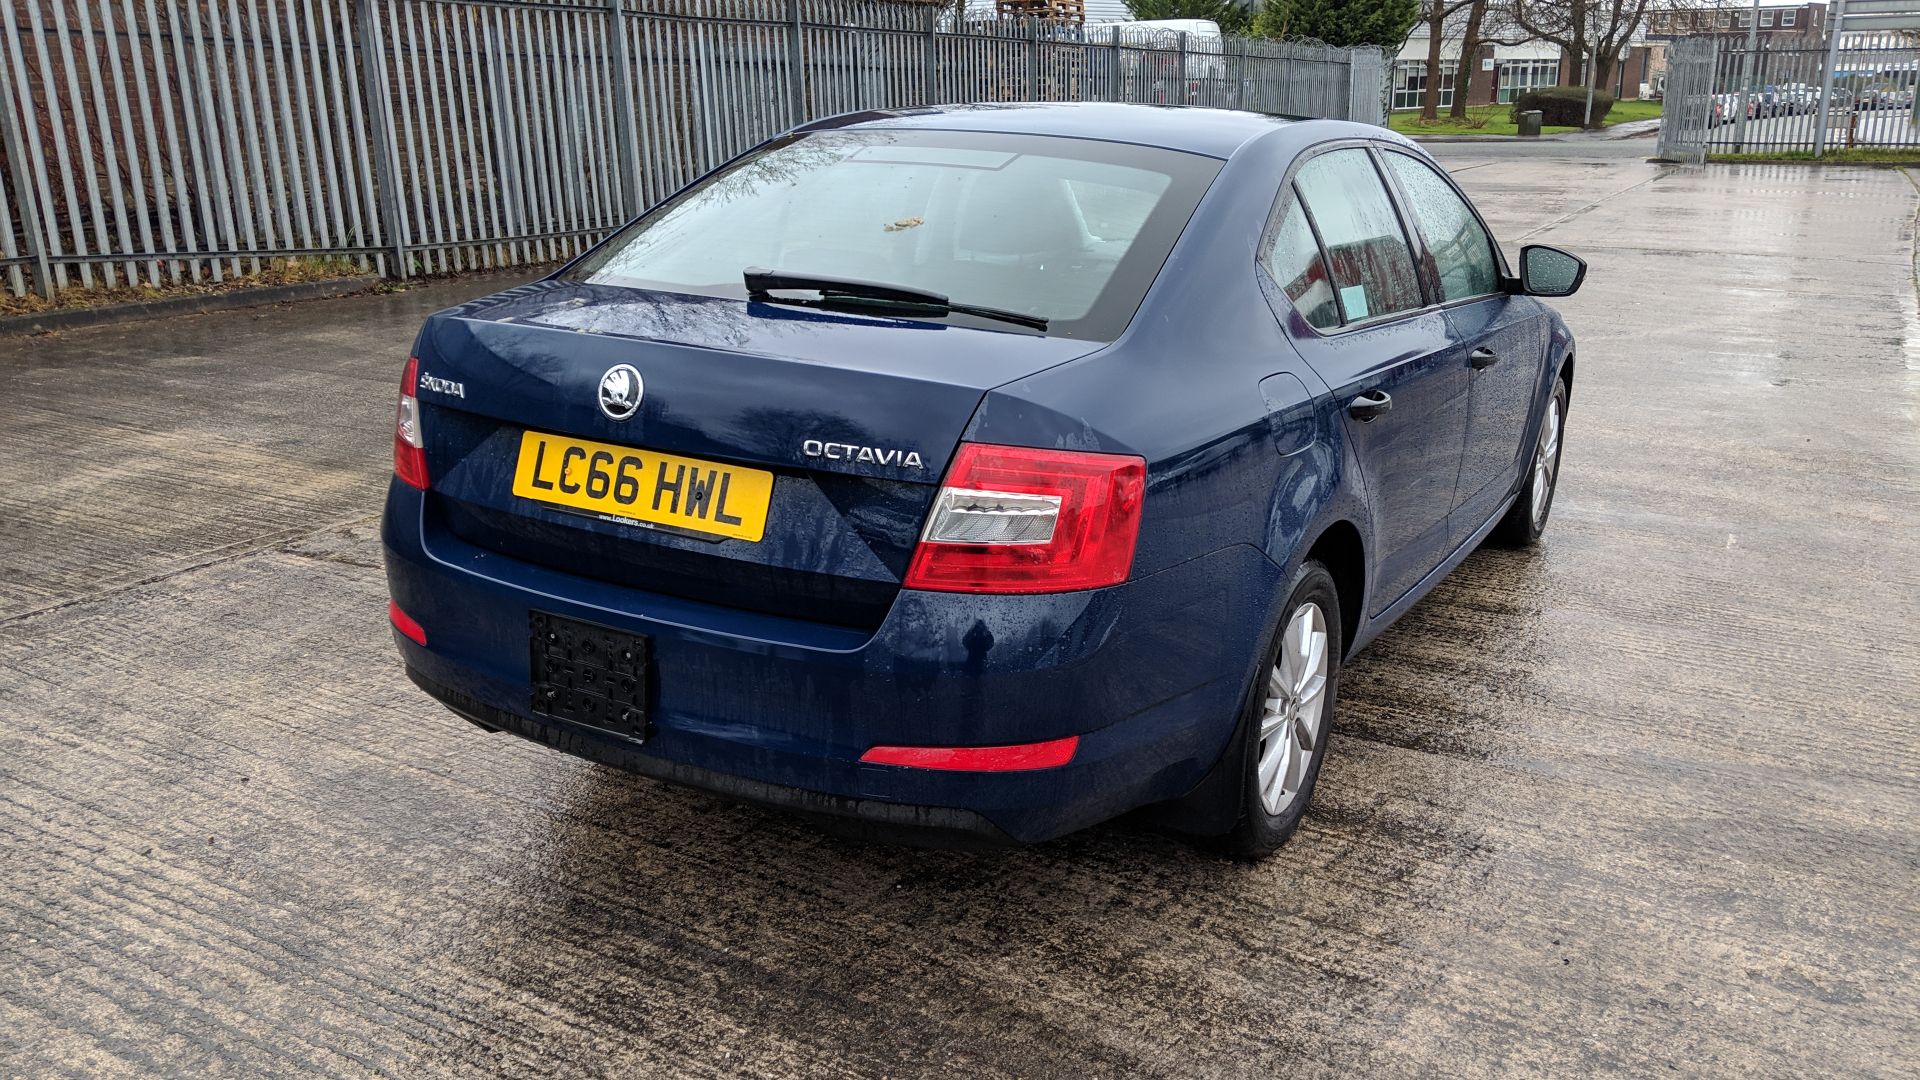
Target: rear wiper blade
x,y
761,283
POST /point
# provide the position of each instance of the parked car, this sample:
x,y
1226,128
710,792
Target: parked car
x,y
1768,101
1838,98
956,467
1726,108
1886,97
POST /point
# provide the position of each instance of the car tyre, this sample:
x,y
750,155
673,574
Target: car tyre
x,y
1288,716
1527,518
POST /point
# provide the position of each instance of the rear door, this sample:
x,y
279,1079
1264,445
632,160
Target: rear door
x,y
1501,337
1340,252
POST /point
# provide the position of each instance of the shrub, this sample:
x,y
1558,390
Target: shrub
x,y
1562,104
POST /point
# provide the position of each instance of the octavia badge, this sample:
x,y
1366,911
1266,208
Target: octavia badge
x,y
620,390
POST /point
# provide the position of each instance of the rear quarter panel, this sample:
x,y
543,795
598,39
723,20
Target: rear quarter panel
x,y
1234,455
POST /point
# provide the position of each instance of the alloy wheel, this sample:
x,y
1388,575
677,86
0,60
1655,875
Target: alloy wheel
x,y
1546,461
1294,709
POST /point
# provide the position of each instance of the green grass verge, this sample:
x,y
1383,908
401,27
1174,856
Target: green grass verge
x,y
1859,155
1626,112
1498,120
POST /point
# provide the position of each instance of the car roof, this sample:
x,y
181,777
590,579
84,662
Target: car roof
x,y
1213,132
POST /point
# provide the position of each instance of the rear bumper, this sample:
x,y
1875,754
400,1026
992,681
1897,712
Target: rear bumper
x,y
923,821
1149,675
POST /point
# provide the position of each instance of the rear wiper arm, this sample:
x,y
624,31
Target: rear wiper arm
x,y
762,283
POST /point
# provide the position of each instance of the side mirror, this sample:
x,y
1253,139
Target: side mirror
x,y
1548,271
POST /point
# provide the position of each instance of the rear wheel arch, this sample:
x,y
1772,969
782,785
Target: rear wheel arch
x,y
1566,373
1340,549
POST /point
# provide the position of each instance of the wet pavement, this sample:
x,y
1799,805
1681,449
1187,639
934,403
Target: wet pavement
x,y
1643,800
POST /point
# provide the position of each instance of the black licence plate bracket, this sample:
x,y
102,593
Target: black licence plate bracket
x,y
589,674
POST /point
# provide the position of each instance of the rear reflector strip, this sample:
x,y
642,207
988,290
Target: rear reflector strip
x,y
1016,758
404,623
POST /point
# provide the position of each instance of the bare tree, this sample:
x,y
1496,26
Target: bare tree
x,y
1470,42
1599,28
1434,15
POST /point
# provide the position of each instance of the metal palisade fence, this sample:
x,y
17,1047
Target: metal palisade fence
x,y
165,141
1794,95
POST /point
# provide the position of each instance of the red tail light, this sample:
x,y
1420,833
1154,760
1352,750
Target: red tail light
x,y
404,623
409,447
1014,519
1017,758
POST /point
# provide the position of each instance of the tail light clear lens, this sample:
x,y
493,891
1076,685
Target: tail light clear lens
x,y
1015,519
409,448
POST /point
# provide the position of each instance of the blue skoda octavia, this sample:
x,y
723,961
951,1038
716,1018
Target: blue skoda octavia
x,y
982,470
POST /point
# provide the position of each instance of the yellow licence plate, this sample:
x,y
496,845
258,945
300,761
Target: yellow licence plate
x,y
643,487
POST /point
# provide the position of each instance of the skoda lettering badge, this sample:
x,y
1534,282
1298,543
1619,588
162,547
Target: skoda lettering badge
x,y
620,390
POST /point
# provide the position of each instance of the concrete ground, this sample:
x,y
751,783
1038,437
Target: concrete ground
x,y
1645,800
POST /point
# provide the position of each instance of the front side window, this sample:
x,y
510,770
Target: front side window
x,y
1072,231
1462,251
1367,254
1293,258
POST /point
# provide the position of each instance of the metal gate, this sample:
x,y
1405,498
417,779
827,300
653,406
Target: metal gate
x,y
1792,95
1688,114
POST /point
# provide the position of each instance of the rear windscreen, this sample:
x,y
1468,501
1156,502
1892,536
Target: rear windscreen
x,y
1068,230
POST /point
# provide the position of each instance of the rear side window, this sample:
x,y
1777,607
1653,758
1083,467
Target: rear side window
x,y
1367,253
1295,263
1462,250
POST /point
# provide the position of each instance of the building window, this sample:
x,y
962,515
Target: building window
x,y
1786,18
1766,19
1410,84
1519,76
1725,20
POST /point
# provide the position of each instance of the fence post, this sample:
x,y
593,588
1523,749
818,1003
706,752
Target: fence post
x,y
1117,77
386,167
930,84
1239,68
796,76
1033,60
623,106
1746,78
40,272
1835,14
1182,81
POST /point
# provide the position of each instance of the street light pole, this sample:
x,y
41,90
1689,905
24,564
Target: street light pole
x,y
1746,79
1835,14
1593,53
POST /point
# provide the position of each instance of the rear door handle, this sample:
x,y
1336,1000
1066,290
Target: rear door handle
x,y
1483,358
1369,405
